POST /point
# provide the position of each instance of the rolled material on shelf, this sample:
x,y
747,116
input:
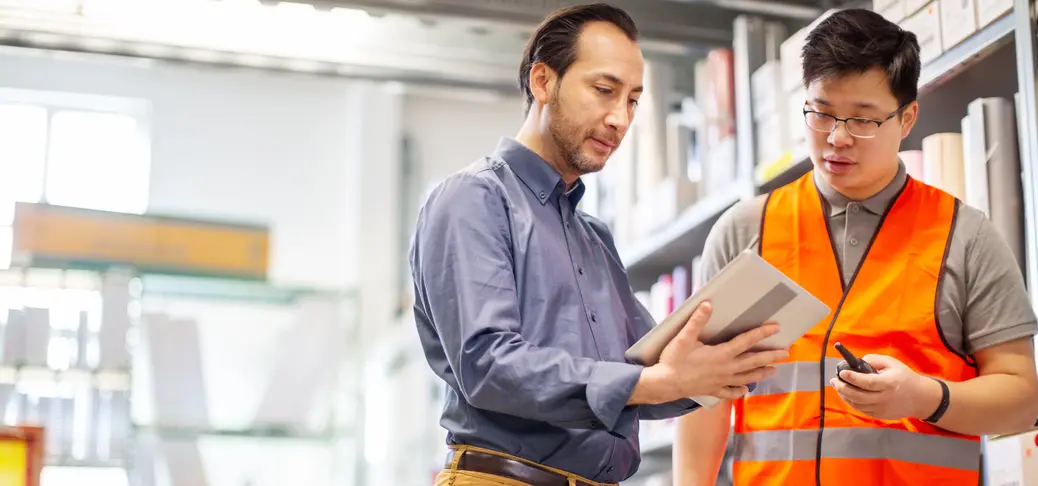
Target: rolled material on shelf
x,y
37,336
993,157
943,163
14,338
84,343
913,160
115,322
651,129
976,170
172,347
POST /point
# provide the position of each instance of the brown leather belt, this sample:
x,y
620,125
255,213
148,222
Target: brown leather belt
x,y
482,462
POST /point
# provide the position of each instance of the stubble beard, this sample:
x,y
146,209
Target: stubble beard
x,y
569,139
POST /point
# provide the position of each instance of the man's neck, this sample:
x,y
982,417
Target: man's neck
x,y
862,194
534,139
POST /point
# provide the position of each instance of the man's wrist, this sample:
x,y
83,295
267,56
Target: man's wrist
x,y
928,397
650,387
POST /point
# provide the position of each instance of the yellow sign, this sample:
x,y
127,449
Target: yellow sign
x,y
46,235
14,462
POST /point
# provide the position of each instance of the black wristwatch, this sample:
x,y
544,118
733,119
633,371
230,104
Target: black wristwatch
x,y
943,407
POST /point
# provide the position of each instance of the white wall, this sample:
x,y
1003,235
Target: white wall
x,y
450,131
241,145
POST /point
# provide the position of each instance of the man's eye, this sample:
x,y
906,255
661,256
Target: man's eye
x,y
603,90
634,102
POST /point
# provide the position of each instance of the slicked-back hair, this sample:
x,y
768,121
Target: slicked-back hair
x,y
554,42
853,41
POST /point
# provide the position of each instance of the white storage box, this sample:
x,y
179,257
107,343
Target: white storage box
x,y
989,11
926,25
958,21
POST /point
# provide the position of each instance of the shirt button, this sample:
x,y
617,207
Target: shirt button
x,y
594,317
542,195
854,241
609,469
580,270
855,208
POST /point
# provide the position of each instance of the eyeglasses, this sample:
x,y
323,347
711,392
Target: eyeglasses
x,y
857,127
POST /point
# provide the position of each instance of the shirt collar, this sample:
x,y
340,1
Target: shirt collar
x,y
537,174
876,204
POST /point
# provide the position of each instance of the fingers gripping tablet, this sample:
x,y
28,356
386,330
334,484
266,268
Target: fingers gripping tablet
x,y
744,294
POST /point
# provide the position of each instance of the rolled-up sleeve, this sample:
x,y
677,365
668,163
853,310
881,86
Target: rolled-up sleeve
x,y
464,278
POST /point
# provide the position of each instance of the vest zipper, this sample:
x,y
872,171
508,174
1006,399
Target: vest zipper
x,y
821,388
828,331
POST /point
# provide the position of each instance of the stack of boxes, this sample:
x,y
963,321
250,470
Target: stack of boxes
x,y
778,99
939,25
771,113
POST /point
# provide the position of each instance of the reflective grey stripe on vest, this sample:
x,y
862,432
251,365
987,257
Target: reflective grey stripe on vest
x,y
796,377
859,443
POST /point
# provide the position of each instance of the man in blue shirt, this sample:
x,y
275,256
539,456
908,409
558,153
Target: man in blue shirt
x,y
522,304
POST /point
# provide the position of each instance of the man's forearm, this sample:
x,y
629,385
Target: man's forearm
x,y
991,404
699,445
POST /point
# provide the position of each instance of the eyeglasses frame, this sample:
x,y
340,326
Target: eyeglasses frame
x,y
879,123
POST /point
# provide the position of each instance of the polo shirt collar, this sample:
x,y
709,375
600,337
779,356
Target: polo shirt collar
x,y
876,204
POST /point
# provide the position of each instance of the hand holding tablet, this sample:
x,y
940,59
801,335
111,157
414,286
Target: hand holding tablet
x,y
687,367
743,296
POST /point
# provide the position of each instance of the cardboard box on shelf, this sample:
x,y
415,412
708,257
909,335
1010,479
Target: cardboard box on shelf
x,y
768,96
772,138
1012,460
926,25
794,113
913,6
958,21
878,5
989,11
893,11
791,61
790,54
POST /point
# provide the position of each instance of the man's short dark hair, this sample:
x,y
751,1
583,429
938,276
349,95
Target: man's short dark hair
x,y
853,41
555,41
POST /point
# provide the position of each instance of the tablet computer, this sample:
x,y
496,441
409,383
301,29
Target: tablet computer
x,y
745,293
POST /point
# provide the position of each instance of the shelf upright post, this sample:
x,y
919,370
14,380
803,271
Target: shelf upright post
x,y
748,49
1024,12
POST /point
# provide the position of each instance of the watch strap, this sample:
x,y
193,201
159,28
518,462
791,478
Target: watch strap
x,y
943,407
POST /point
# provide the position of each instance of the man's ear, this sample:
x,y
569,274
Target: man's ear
x,y
542,82
908,118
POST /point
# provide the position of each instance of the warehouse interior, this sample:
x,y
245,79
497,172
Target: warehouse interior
x,y
206,207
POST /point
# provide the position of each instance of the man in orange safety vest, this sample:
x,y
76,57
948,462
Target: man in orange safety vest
x,y
921,286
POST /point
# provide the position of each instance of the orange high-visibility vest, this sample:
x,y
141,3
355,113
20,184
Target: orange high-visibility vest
x,y
794,429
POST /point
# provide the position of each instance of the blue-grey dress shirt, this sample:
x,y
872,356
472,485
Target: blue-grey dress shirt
x,y
524,309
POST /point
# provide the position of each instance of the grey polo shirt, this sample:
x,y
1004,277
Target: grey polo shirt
x,y
983,300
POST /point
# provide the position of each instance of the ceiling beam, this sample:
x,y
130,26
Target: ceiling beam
x,y
787,9
703,23
232,61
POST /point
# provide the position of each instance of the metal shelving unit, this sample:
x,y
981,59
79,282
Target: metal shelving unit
x,y
677,242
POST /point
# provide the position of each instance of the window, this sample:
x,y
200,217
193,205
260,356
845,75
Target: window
x,y
69,154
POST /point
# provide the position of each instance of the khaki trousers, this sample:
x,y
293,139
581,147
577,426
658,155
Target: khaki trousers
x,y
452,476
